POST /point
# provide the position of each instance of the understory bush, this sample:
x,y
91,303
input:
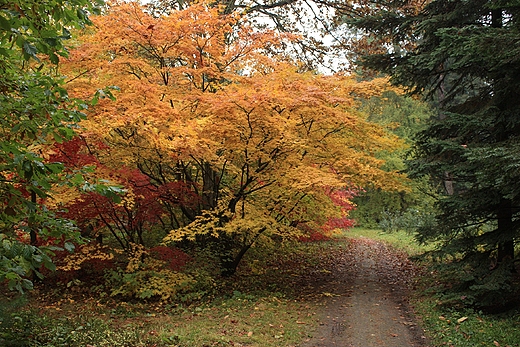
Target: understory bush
x,y
468,327
410,220
9,318
159,273
147,283
146,276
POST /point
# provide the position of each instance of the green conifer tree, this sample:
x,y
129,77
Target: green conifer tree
x,y
464,55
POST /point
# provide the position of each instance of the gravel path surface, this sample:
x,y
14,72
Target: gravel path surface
x,y
363,301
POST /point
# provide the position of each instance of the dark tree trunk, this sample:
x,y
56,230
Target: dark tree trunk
x,y
209,187
32,229
506,247
230,263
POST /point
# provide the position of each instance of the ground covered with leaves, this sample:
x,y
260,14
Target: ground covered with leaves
x,y
351,291
365,298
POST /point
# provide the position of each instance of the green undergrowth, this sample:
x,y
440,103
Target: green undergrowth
x,y
468,328
260,306
461,325
237,321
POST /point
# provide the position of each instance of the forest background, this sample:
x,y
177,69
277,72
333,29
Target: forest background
x,y
147,149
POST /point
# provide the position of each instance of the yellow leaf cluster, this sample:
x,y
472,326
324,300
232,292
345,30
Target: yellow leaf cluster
x,y
147,277
136,255
163,283
210,223
74,261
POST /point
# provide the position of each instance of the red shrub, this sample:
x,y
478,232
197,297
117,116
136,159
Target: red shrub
x,y
176,258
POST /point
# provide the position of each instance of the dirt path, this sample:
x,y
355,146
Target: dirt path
x,y
363,301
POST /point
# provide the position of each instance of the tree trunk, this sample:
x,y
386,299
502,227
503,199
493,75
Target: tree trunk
x,y
32,227
506,247
209,187
230,263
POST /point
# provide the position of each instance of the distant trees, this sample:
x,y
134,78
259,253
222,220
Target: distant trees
x,y
464,56
405,209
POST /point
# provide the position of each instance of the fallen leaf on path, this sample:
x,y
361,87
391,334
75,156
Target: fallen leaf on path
x,y
460,320
329,294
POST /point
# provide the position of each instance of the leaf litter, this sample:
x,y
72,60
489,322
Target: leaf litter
x,y
364,298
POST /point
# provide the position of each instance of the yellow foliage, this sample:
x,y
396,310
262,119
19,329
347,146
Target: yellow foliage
x,y
209,223
128,200
136,255
198,96
61,195
85,253
163,283
147,277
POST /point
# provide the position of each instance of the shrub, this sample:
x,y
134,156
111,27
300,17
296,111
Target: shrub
x,y
146,277
88,263
175,258
314,237
410,220
31,329
147,283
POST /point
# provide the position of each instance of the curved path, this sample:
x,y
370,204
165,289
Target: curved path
x,y
363,301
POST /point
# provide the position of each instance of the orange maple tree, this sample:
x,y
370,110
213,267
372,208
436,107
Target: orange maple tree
x,y
208,101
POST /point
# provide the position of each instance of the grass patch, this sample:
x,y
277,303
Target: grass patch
x,y
468,328
259,307
241,320
399,239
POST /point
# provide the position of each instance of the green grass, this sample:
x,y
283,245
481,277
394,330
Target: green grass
x,y
468,328
399,239
235,321
241,320
257,308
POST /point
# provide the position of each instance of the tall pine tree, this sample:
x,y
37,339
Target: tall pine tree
x,y
464,55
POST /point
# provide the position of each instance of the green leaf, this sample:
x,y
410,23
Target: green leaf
x,y
39,192
55,168
4,52
27,252
26,284
30,51
37,258
54,58
28,169
69,246
4,24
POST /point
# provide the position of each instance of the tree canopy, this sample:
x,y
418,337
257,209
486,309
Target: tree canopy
x,y
242,144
